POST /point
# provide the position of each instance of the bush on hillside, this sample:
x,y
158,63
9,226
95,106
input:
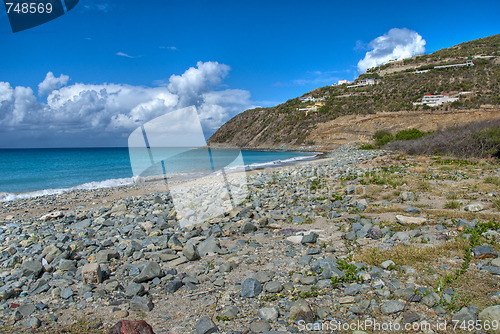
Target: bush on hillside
x,y
410,134
479,139
383,137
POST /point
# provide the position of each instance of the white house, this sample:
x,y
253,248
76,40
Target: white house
x,y
364,82
467,63
435,100
343,82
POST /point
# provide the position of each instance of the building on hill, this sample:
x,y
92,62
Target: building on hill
x,y
311,99
467,63
343,82
435,100
364,82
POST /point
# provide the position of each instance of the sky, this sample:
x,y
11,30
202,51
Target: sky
x,y
92,76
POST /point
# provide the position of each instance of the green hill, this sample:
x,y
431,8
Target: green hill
x,y
398,86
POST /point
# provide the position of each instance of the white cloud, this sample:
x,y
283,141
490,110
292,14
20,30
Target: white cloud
x,y
107,113
51,82
173,48
396,44
122,54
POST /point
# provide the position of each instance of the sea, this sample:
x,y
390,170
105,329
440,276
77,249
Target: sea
x,y
26,173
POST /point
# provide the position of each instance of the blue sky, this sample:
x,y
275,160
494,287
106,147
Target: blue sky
x,y
274,51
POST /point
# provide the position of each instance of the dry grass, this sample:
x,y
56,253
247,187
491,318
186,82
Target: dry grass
x,y
411,255
493,180
453,205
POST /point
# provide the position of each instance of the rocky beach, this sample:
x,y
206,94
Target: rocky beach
x,y
359,239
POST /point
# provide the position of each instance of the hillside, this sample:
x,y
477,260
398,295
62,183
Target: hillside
x,y
397,86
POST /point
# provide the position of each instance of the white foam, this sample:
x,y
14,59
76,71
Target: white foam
x,y
7,197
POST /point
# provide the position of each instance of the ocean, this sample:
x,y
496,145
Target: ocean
x,y
35,172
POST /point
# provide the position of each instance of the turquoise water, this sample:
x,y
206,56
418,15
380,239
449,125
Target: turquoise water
x,y
46,171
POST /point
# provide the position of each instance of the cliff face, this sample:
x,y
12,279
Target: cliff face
x,y
354,114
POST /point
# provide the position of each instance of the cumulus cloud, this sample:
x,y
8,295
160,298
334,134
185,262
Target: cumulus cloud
x,y
105,114
396,44
51,83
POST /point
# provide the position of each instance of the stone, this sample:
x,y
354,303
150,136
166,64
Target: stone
x,y
143,304
496,262
352,289
268,313
52,215
209,245
230,312
474,207
273,287
392,306
131,327
401,236
206,326
174,243
350,190
91,273
489,315
32,322
464,316
121,314
387,264
374,232
134,289
300,310
150,271
173,286
491,269
67,265
190,251
106,255
260,326
407,196
310,238
405,220
431,299
6,292
66,293
413,210
248,228
410,317
27,309
250,288
32,268
482,252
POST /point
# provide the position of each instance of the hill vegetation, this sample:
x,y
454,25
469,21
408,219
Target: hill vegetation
x,y
398,86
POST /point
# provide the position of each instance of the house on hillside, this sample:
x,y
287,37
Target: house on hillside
x,y
467,63
364,82
343,82
311,99
435,100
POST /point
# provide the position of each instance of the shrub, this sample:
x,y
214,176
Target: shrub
x,y
478,139
383,137
410,134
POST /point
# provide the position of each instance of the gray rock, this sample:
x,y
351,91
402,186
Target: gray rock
x,y
32,268
474,207
387,264
260,326
91,273
401,236
268,313
413,210
173,286
66,293
250,288
225,268
150,271
489,315
352,289
206,326
32,322
230,312
464,316
273,287
26,310
263,276
492,269
431,299
407,196
248,228
190,251
209,245
6,292
134,289
143,304
392,306
374,232
67,265
410,317
310,238
300,310
481,252
350,190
